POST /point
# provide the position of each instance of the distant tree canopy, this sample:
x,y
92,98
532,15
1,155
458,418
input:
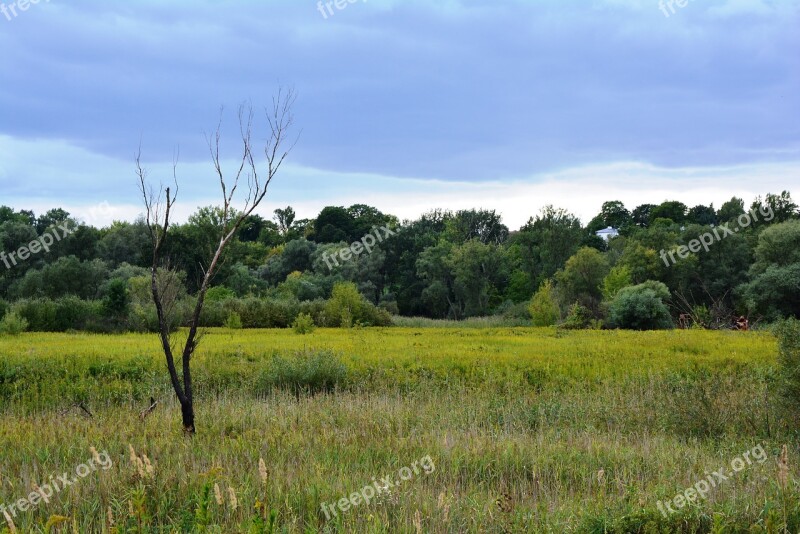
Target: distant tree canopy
x,y
442,265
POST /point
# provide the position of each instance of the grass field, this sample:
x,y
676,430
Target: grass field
x,y
524,430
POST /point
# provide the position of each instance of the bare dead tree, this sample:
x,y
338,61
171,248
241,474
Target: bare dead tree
x,y
159,207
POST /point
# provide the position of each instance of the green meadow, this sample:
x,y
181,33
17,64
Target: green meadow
x,y
529,430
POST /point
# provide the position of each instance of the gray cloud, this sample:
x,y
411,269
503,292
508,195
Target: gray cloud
x,y
453,90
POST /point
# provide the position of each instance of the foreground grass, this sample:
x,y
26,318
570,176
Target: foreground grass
x,y
529,431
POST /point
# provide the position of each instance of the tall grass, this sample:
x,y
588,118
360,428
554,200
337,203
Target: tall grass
x,y
530,430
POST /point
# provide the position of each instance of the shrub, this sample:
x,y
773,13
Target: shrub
x,y
213,314
303,324
12,324
390,306
234,321
306,372
345,304
347,307
578,318
641,307
512,311
544,306
264,313
61,315
219,294
314,308
143,317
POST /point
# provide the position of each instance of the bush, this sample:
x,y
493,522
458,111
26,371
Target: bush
x,y
213,314
641,307
306,372
303,324
61,315
579,318
347,307
264,313
344,305
544,306
512,311
314,308
234,321
788,333
219,294
143,318
12,324
390,306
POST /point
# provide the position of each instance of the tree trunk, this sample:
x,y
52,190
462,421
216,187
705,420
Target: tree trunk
x,y
187,411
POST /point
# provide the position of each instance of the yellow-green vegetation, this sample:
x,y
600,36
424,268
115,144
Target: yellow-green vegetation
x,y
530,430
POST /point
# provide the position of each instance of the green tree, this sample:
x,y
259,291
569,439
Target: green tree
x,y
124,242
778,245
774,288
479,272
671,209
703,215
544,306
641,215
334,224
784,208
438,294
642,262
774,293
65,276
582,278
613,214
730,210
284,218
548,241
117,299
618,278
400,267
485,226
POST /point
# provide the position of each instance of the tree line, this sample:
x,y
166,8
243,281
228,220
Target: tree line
x,y
447,265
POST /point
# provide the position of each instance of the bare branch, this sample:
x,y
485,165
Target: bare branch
x,y
159,208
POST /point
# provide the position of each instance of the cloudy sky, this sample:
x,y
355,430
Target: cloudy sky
x,y
405,104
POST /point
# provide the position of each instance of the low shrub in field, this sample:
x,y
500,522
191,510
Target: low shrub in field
x,y
347,307
12,324
264,313
305,372
641,307
543,307
234,321
314,308
303,324
514,312
143,318
579,318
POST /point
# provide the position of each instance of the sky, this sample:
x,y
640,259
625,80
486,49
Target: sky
x,y
406,105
